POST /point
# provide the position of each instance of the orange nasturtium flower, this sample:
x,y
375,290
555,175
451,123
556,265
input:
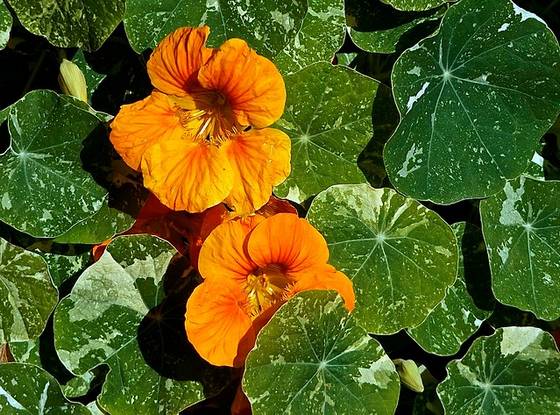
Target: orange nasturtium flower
x,y
250,267
201,137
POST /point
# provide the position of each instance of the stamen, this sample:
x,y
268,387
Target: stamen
x,y
265,287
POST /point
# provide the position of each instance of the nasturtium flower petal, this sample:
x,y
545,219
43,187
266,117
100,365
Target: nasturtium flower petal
x,y
216,322
174,63
251,84
289,240
139,125
185,175
223,254
260,159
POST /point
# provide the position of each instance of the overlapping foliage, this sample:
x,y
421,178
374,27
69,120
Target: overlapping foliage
x,y
425,149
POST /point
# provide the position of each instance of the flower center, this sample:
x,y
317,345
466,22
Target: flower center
x,y
206,116
265,287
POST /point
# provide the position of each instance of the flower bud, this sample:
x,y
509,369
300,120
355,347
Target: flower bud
x,y
409,374
72,80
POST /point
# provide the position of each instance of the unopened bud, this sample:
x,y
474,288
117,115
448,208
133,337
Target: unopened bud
x,y
409,374
72,80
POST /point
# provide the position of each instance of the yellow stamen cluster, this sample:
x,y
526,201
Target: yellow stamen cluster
x,y
265,287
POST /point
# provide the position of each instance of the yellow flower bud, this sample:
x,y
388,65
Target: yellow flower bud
x,y
409,374
72,80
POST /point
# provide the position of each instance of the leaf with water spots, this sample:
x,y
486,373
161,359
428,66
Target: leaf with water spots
x,y
268,26
415,5
328,118
521,225
70,23
474,100
27,292
98,323
6,21
379,28
459,315
44,189
401,256
321,35
514,371
313,358
28,389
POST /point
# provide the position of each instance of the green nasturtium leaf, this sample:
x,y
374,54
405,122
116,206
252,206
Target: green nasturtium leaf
x,y
415,5
268,26
44,189
27,293
72,23
328,118
28,389
457,317
320,36
514,371
462,95
98,323
313,358
379,28
521,227
6,21
401,256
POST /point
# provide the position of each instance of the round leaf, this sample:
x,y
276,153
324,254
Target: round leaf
x,y
26,388
6,21
415,5
401,256
521,226
328,118
515,371
44,189
28,295
474,100
73,23
99,323
266,25
457,317
312,358
321,35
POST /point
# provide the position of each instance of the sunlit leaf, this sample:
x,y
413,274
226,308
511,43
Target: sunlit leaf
x,y
521,226
44,189
28,295
515,371
320,36
6,21
458,316
328,118
312,358
401,256
474,100
268,26
72,23
415,5
28,389
99,323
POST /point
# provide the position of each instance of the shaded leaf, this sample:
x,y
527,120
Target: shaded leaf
x,y
6,21
312,357
401,256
